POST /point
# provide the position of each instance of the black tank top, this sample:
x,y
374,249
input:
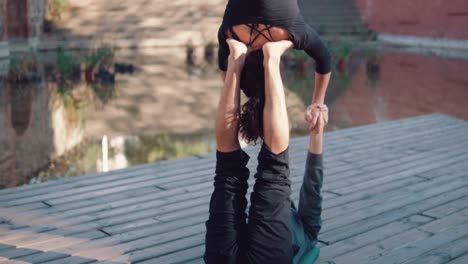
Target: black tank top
x,y
279,13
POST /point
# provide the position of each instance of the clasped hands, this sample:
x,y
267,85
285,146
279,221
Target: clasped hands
x,y
316,115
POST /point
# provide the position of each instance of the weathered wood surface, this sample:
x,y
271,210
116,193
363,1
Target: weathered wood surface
x,y
394,192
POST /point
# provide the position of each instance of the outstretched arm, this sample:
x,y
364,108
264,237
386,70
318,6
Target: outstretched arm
x,y
310,199
227,115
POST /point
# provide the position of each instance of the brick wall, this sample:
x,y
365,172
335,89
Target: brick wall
x,y
2,19
425,18
35,16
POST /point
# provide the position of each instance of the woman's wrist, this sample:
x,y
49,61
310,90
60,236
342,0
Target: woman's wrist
x,y
318,100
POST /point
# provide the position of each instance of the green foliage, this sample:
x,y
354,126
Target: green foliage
x,y
298,55
56,8
104,92
76,110
15,64
66,63
103,54
345,49
25,64
339,49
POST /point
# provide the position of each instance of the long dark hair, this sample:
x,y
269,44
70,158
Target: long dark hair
x,y
252,83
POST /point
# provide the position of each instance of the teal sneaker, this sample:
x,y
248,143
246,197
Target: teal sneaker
x,y
311,256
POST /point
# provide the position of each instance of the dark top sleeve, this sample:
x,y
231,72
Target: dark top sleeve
x,y
315,48
223,50
310,198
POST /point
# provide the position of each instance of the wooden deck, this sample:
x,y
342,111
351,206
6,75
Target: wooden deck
x,y
394,192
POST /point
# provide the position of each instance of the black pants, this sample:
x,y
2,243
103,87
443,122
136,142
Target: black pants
x,y
266,237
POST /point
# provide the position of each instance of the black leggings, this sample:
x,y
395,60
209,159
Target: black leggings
x,y
266,238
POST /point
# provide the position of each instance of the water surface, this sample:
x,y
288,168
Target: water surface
x,y
165,109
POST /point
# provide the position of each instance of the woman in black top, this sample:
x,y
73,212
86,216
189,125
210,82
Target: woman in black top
x,y
263,17
256,22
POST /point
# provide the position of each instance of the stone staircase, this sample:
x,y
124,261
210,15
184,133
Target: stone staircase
x,y
332,18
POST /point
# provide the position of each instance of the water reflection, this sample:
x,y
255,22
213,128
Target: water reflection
x,y
159,104
396,85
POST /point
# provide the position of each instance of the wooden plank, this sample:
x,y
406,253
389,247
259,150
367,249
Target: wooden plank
x,y
64,182
458,218
460,260
13,253
178,257
42,257
417,248
444,254
11,261
385,167
72,260
386,197
333,232
387,142
373,237
198,260
383,191
427,161
370,251
5,246
13,234
140,245
154,252
448,208
148,231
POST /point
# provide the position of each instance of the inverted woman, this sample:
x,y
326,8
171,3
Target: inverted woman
x,y
256,22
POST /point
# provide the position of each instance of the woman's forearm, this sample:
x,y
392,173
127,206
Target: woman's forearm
x,y
321,84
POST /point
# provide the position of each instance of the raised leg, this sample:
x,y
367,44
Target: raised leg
x,y
269,237
226,224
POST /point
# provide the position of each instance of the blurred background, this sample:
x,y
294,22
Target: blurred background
x,y
90,86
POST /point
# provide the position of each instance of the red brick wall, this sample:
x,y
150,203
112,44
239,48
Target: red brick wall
x,y
427,18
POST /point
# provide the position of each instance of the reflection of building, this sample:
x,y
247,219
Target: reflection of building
x,y
408,85
20,20
34,129
421,18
